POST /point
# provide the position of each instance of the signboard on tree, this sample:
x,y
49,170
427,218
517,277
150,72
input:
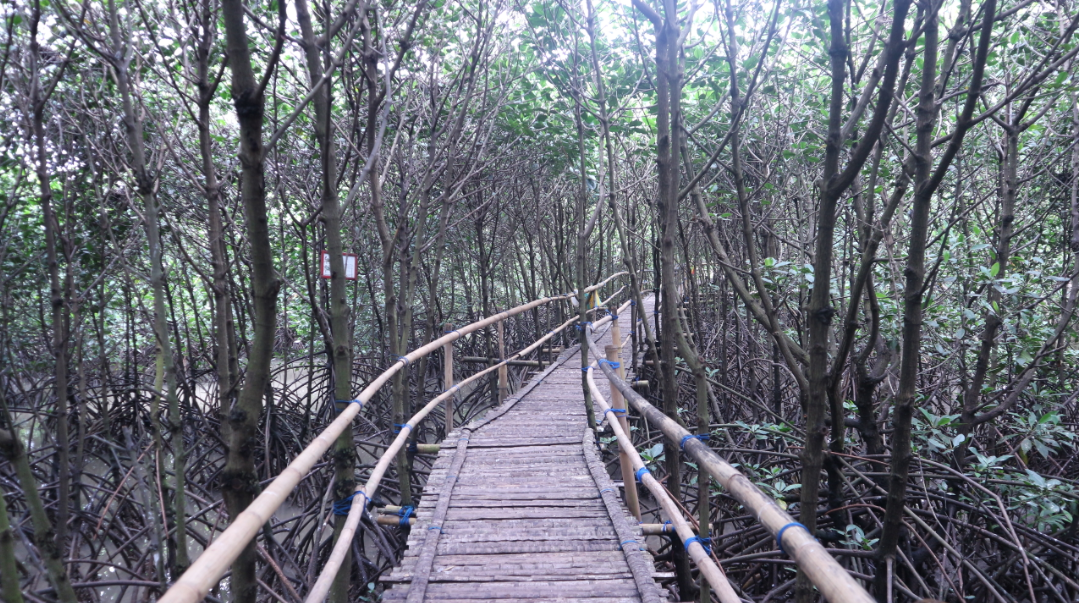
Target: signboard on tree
x,y
349,259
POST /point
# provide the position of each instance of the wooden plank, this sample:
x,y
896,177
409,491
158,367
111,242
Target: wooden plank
x,y
564,588
398,595
511,546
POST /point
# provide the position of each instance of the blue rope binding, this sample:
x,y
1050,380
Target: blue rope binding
x,y
397,427
405,358
640,473
700,438
405,513
623,544
346,403
704,542
617,412
779,535
609,363
342,507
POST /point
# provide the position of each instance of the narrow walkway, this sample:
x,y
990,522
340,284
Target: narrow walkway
x,y
519,507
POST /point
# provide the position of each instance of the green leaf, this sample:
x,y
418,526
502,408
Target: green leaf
x,y
994,270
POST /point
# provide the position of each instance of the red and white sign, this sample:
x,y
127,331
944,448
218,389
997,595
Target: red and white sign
x,y
349,260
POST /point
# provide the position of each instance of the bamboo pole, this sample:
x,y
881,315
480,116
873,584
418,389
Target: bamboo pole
x,y
447,377
707,566
503,372
208,568
823,570
614,354
482,360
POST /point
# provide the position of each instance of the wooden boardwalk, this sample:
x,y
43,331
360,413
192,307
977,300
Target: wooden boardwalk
x,y
519,508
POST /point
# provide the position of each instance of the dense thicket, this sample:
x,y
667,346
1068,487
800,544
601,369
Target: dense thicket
x,y
861,220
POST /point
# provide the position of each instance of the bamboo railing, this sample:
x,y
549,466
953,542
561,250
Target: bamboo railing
x,y
821,568
697,552
211,565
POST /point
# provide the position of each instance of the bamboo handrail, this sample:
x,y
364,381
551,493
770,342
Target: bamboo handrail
x,y
211,565
821,568
708,568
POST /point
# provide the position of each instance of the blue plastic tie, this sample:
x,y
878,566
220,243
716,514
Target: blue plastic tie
x,y
623,544
346,403
453,331
405,358
633,302
640,473
609,363
613,316
397,427
342,507
668,523
439,528
606,490
779,535
618,412
405,512
700,438
704,542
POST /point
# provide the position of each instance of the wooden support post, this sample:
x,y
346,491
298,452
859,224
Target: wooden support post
x,y
447,377
614,354
616,329
503,371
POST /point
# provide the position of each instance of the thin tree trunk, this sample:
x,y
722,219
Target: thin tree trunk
x,y
38,98
344,453
145,185
44,537
239,479
926,181
9,568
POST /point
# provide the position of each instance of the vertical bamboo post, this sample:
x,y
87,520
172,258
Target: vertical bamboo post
x,y
616,330
614,354
503,371
447,378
